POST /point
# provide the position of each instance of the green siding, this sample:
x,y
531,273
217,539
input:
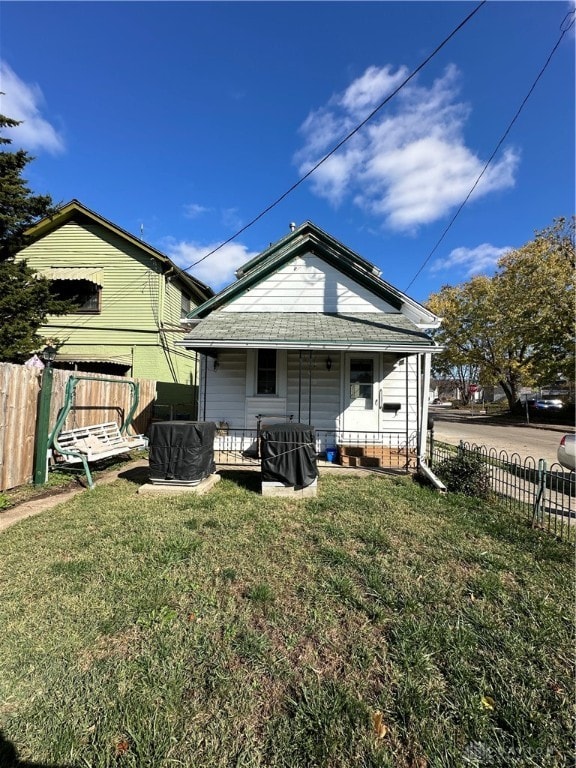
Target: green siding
x,y
136,301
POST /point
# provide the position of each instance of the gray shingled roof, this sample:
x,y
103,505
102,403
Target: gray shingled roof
x,y
370,328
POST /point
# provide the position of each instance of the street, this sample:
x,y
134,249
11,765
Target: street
x,y
537,442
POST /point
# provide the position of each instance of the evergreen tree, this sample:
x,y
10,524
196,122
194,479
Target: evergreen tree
x,y
25,298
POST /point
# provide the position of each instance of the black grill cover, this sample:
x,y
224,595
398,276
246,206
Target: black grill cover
x,y
288,454
181,450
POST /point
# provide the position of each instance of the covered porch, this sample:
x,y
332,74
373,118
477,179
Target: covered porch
x,y
368,407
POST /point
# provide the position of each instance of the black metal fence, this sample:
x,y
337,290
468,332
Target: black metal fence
x,y
546,495
364,450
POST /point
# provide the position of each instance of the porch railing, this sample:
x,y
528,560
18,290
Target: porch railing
x,y
349,448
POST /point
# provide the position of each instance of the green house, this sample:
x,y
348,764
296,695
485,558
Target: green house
x,y
130,300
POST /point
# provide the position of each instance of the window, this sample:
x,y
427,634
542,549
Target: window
x,y
83,293
266,372
184,305
361,379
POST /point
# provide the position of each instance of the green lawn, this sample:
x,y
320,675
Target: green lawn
x,y
236,630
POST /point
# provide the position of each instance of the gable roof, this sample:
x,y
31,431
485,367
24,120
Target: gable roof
x,y
75,211
309,238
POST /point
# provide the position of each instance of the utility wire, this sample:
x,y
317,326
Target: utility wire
x,y
564,29
343,141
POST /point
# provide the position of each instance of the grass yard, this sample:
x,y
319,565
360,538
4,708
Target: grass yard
x,y
379,624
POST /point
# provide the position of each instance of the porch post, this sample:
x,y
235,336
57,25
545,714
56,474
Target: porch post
x,y
196,404
425,390
205,387
310,387
407,386
418,431
300,386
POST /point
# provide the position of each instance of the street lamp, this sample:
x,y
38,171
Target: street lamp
x,y
43,418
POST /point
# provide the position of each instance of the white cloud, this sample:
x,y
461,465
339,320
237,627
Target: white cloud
x,y
368,91
471,261
217,270
231,218
21,101
410,164
194,210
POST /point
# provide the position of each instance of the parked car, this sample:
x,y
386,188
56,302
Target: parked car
x,y
546,405
567,451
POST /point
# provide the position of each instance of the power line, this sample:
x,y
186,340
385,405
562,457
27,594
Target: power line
x,y
343,141
564,29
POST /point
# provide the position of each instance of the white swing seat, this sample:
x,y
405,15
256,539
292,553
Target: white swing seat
x,y
95,442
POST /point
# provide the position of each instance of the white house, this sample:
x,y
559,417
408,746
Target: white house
x,y
310,332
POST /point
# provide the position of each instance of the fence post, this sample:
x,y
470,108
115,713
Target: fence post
x,y
42,427
538,511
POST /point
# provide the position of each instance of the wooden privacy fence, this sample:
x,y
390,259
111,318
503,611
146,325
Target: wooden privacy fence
x,y
96,401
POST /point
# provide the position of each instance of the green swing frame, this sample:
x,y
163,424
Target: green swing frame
x,y
115,439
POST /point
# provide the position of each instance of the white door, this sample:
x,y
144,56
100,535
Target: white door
x,y
361,390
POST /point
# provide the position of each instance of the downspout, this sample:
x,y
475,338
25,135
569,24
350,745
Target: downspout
x,y
423,468
161,298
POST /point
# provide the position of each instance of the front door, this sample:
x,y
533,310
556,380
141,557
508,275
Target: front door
x,y
361,381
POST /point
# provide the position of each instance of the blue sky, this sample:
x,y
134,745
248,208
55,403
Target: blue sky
x,y
183,121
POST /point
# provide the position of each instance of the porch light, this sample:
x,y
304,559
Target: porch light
x,y
216,363
328,363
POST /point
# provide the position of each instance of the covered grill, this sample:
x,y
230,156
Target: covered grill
x,y
181,452
288,455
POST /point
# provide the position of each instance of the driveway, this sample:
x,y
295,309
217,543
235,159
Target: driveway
x,y
536,441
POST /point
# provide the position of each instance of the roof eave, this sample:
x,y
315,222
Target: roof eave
x,y
320,345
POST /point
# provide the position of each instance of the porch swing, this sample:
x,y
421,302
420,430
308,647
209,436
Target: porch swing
x,y
97,441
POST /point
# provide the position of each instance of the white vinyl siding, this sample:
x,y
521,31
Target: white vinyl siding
x,y
231,396
226,388
393,390
308,284
322,402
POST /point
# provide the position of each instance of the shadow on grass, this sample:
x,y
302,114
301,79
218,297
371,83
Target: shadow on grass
x,y
249,480
136,475
9,757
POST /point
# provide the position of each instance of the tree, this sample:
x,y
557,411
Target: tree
x,y
25,299
516,328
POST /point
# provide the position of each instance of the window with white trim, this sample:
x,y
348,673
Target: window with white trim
x,y
266,367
